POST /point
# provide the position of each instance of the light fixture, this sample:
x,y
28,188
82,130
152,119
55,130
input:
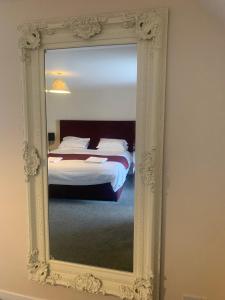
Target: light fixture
x,y
59,86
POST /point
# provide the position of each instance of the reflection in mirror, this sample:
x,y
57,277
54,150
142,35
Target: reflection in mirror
x,y
91,112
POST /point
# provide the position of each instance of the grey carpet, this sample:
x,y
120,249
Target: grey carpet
x,y
96,233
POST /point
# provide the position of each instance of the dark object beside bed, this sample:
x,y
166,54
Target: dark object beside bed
x,y
95,130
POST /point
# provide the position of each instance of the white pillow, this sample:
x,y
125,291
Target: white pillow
x,y
119,148
112,144
71,144
113,141
69,138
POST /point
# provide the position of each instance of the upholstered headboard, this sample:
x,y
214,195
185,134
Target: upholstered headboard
x,y
99,129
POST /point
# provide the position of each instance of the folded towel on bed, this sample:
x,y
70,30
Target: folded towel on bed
x,y
54,159
94,159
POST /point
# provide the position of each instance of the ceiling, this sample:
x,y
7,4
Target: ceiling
x,y
93,66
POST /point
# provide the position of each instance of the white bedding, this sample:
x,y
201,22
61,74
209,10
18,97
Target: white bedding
x,y
80,172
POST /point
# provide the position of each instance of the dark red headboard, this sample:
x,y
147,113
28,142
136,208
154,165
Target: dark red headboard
x,y
99,129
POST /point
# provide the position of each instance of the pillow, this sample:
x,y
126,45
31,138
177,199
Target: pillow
x,y
71,144
112,144
119,148
113,141
70,138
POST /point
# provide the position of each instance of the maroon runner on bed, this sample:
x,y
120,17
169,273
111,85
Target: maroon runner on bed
x,y
115,158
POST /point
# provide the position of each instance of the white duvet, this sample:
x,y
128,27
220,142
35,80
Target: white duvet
x,y
80,172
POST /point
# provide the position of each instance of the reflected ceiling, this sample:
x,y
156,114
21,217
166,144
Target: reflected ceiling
x,y
93,66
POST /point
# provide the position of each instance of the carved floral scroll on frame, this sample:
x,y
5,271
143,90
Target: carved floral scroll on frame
x,y
31,160
142,289
148,29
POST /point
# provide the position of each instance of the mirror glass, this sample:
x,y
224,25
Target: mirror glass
x,y
91,114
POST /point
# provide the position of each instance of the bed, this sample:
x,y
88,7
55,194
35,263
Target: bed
x,y
73,177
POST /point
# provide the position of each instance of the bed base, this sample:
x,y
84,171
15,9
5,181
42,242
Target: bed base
x,y
102,192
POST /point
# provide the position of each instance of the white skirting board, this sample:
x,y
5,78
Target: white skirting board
x,y
6,295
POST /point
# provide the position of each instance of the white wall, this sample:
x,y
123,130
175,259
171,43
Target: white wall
x,y
193,232
101,103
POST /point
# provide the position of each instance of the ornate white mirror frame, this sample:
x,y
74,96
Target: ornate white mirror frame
x,y
148,30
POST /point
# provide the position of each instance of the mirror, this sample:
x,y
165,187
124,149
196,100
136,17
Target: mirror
x,y
93,152
91,159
